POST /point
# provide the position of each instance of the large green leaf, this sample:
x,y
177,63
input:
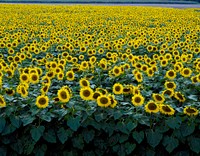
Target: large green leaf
x,y
131,125
88,135
138,136
27,120
50,136
15,121
8,129
62,135
78,142
170,143
129,147
74,123
187,129
17,146
2,124
173,122
37,132
41,150
194,144
153,138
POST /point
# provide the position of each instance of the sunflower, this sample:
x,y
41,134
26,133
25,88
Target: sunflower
x,y
150,71
112,100
164,62
84,82
170,85
152,107
10,92
194,79
42,101
158,98
137,100
138,77
2,102
86,93
190,111
117,71
60,76
84,65
180,97
63,95
169,92
34,78
23,91
45,89
103,101
96,94
117,88
186,72
24,78
166,109
127,89
170,74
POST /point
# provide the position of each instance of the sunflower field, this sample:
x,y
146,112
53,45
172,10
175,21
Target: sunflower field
x,y
99,80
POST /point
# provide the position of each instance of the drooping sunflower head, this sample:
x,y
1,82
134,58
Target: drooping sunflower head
x,y
138,77
42,101
166,109
10,92
168,92
96,94
180,97
112,100
2,102
159,98
190,111
170,85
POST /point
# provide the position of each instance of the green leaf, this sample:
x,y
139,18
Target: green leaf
x,y
194,144
62,135
37,132
129,147
117,114
74,123
8,129
138,136
78,142
170,143
40,151
46,117
18,147
99,117
122,127
153,138
187,129
88,135
113,140
193,97
15,121
50,136
2,124
27,120
173,122
28,147
123,138
131,125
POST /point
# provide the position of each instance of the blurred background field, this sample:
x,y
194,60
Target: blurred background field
x,y
106,1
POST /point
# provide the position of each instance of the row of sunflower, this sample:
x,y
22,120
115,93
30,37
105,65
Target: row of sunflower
x,y
118,52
